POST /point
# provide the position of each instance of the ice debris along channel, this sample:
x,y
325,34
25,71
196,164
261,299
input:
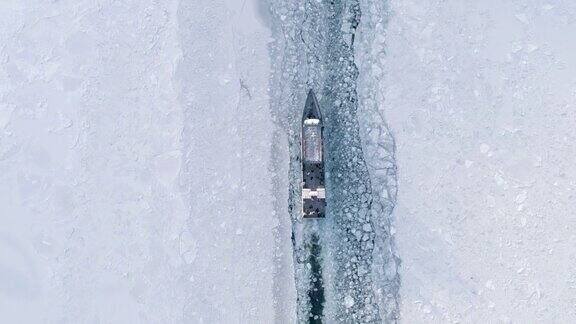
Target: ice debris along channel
x,y
345,265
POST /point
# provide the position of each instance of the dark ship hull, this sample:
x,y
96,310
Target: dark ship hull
x,y
313,174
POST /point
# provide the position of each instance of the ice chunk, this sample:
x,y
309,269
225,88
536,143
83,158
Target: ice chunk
x,y
348,301
521,197
522,18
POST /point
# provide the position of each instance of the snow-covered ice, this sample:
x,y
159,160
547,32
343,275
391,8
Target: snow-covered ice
x,y
481,98
134,162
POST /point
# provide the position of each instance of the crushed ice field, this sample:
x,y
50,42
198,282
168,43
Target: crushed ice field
x,y
150,172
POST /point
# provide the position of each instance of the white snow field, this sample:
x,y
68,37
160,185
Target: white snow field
x,y
134,162
481,98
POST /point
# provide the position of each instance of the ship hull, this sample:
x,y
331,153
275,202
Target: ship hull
x,y
312,157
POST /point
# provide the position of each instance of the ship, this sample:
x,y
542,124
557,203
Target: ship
x,y
312,158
